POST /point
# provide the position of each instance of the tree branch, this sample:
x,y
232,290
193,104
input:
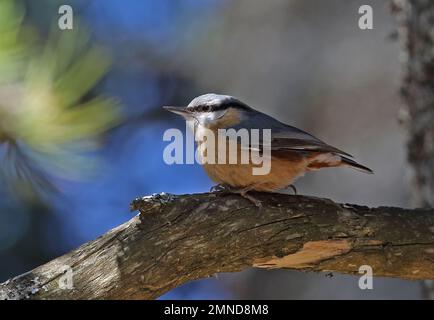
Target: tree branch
x,y
176,239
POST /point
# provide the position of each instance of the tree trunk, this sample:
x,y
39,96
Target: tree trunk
x,y
176,239
416,31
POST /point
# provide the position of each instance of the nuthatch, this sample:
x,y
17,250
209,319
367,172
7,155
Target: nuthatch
x,y
293,151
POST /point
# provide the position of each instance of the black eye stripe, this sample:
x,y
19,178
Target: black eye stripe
x,y
202,108
218,107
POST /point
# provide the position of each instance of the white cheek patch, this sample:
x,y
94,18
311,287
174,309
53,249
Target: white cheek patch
x,y
206,118
209,118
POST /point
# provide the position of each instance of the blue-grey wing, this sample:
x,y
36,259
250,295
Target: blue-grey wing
x,y
285,137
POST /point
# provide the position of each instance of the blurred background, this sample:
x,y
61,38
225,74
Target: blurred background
x,y
81,122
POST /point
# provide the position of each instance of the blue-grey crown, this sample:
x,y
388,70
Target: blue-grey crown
x,y
212,102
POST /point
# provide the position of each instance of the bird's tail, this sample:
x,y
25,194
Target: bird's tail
x,y
353,164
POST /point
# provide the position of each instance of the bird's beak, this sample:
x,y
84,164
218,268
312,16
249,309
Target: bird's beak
x,y
178,110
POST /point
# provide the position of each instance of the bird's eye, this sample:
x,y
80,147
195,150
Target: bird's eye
x,y
206,108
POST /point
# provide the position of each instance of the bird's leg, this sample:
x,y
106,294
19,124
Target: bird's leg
x,y
225,189
243,192
252,199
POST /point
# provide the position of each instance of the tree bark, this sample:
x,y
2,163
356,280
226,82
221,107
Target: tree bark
x,y
416,32
176,239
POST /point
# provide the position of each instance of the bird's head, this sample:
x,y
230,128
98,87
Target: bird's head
x,y
213,111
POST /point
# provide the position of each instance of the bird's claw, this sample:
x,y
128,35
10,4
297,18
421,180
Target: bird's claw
x,y
252,199
224,189
219,188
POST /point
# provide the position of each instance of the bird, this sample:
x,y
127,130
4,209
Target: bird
x,y
293,152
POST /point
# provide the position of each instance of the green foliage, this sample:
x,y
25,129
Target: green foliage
x,y
49,116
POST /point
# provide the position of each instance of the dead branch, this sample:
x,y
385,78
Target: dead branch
x,y
176,239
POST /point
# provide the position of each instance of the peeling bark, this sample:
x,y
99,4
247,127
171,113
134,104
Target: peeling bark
x,y
176,239
313,252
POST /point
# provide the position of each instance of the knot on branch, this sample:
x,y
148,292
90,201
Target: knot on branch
x,y
147,203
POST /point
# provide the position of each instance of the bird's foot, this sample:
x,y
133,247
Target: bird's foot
x,y
244,193
221,188
252,199
224,189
